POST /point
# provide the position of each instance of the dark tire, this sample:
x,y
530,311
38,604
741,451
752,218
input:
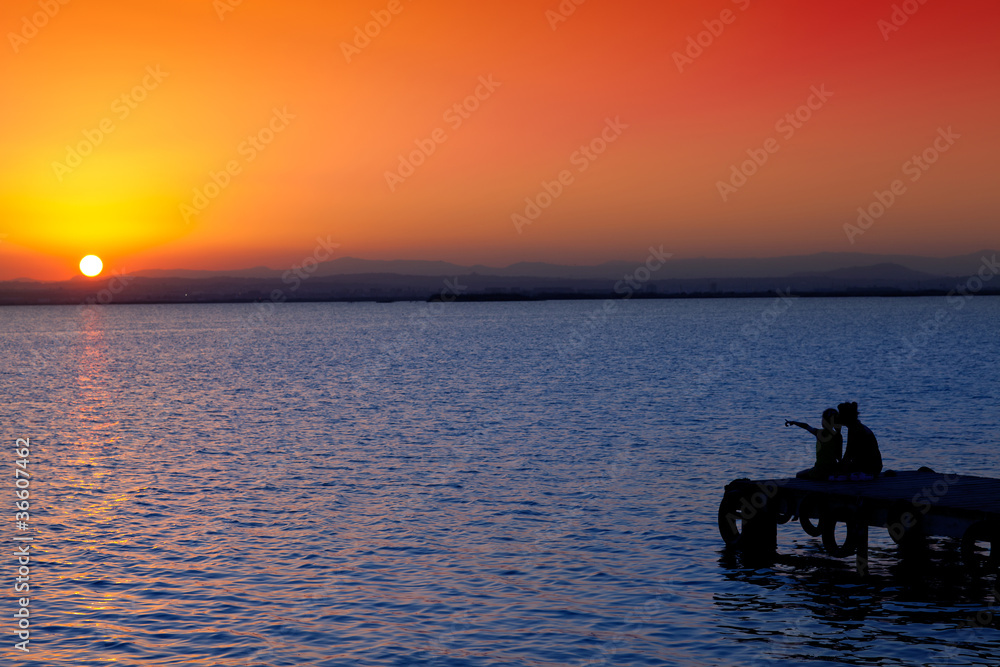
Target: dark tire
x,y
735,511
730,518
829,529
807,507
784,510
977,562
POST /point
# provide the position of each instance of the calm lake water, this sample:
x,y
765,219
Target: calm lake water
x,y
477,484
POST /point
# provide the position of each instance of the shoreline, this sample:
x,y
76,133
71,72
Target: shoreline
x,y
88,297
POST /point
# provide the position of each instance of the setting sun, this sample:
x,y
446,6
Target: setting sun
x,y
91,265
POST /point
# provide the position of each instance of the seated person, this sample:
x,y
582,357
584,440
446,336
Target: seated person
x,y
829,445
862,458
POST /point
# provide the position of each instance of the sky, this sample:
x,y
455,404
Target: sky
x,y
224,134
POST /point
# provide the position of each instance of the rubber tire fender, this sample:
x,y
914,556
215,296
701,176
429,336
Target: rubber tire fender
x,y
828,526
730,506
727,528
805,506
784,509
981,531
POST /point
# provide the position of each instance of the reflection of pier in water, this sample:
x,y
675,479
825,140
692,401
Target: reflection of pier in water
x,y
805,608
912,506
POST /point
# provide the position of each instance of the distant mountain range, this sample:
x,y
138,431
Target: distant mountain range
x,y
675,269
351,279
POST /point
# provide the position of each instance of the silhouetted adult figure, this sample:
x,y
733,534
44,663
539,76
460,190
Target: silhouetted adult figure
x,y
862,454
829,447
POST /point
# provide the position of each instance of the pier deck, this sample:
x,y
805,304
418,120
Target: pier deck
x,y
911,505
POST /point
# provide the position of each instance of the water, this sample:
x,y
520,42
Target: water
x,y
477,484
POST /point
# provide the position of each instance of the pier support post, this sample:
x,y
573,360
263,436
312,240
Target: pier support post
x,y
761,535
861,555
760,545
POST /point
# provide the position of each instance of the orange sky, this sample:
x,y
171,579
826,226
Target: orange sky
x,y
222,76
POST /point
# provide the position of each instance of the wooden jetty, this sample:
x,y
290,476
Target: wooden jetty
x,y
911,505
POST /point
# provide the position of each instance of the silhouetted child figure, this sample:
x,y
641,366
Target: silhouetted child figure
x,y
862,458
829,446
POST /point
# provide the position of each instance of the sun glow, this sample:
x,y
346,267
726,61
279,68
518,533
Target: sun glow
x,y
91,265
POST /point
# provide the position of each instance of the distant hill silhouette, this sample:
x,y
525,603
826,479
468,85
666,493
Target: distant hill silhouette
x,y
679,269
886,271
352,279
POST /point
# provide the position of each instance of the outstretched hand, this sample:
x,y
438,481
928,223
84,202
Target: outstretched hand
x,y
788,423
